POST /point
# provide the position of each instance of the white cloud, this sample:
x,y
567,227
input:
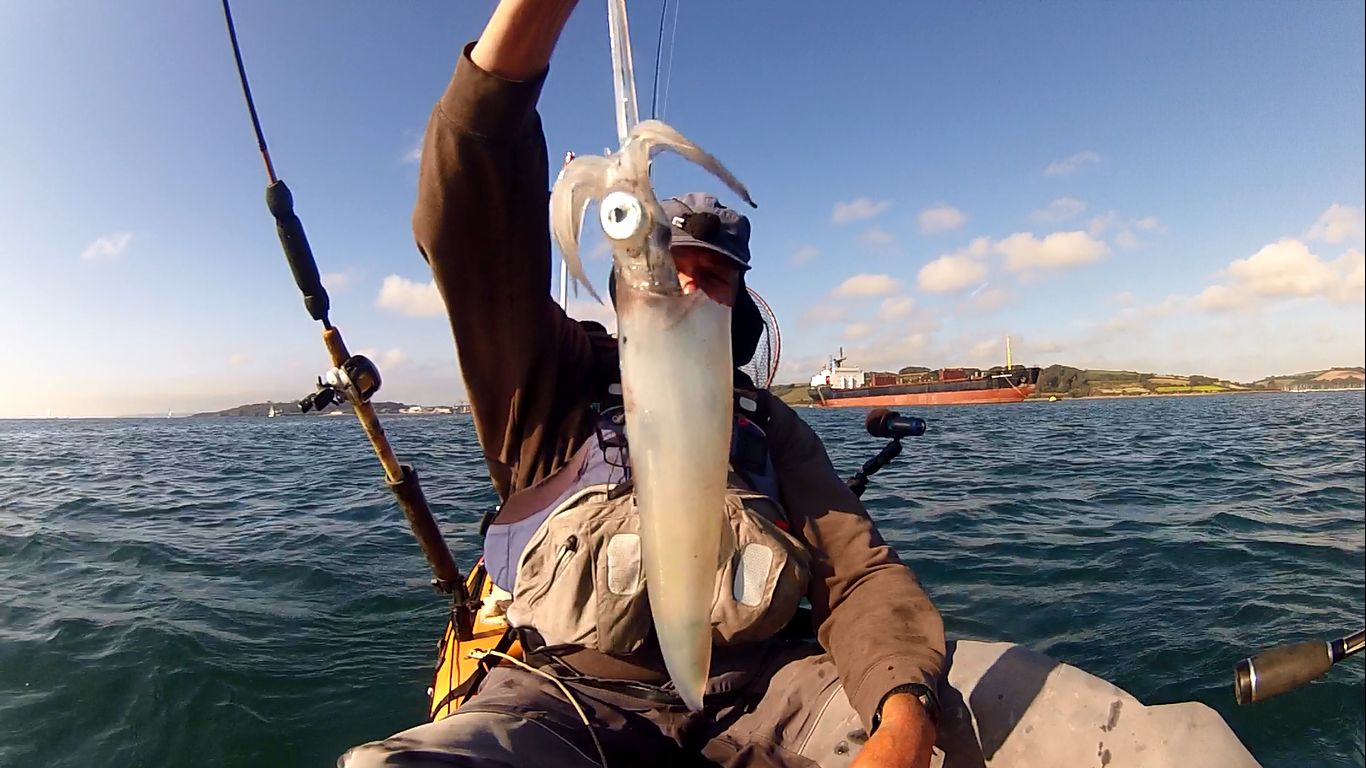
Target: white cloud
x,y
857,330
990,300
1218,298
805,254
1072,164
867,285
1103,223
1288,268
339,282
386,359
1352,266
950,274
895,308
399,294
823,313
1285,269
237,358
1338,224
1123,298
877,237
107,248
414,153
858,209
1100,224
986,349
1023,252
1135,318
1062,209
956,271
941,218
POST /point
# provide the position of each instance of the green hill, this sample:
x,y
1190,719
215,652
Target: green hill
x,y
1064,380
1331,378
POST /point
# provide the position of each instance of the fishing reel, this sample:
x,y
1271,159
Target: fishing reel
x,y
355,381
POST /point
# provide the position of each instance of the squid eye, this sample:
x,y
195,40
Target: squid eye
x,y
621,215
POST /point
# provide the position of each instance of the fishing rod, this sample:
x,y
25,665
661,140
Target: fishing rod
x,y
353,378
1271,673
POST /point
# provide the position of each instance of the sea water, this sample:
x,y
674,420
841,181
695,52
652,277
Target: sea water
x,y
244,592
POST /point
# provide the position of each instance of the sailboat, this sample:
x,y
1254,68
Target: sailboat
x,y
272,413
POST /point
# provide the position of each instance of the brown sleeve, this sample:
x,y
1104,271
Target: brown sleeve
x,y
871,614
481,222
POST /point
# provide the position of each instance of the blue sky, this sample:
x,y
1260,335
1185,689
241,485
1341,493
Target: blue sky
x,y
1174,187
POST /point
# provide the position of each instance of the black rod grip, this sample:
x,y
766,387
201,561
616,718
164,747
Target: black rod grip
x,y
280,201
1278,670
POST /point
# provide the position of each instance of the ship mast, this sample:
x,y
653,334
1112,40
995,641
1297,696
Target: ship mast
x,y
1009,361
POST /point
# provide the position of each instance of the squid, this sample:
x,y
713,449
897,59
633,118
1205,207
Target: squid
x,y
676,375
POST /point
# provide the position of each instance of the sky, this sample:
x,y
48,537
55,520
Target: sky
x,y
1160,186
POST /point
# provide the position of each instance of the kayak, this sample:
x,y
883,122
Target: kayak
x,y
1002,706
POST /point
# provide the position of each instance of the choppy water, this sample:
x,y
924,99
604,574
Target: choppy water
x,y
242,592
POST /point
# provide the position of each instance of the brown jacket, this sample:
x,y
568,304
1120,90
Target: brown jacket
x,y
482,224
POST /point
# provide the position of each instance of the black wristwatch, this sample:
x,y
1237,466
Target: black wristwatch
x,y
923,693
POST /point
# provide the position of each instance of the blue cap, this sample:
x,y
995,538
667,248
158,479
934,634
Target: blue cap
x,y
697,219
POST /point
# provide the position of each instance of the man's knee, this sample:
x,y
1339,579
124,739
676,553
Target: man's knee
x,y
470,738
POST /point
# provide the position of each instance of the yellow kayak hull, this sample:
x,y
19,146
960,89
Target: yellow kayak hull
x,y
458,661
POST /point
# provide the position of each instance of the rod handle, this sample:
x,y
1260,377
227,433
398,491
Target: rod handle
x,y
280,201
1278,670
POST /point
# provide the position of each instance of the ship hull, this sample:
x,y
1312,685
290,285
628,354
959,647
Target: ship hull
x,y
874,399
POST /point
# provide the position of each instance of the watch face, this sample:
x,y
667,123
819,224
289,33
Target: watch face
x,y
926,698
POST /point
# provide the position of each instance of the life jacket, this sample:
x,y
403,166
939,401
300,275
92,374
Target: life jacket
x,y
568,548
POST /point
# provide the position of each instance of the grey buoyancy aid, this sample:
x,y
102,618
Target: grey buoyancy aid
x,y
568,548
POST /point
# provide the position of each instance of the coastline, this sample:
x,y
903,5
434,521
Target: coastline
x,y
1145,396
1149,395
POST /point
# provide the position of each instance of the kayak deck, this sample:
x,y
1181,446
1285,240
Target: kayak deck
x,y
1009,707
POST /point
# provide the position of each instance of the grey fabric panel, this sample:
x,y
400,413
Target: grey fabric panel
x,y
474,738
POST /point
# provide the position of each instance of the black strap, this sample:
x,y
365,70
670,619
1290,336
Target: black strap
x,y
487,521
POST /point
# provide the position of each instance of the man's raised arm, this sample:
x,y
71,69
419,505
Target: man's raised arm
x,y
481,223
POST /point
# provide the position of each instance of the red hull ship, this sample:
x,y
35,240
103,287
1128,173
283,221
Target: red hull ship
x,y
844,387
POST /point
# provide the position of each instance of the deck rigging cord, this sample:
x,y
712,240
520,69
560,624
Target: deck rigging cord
x,y
353,378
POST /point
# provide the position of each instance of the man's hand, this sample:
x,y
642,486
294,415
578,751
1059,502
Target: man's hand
x,y
520,36
905,738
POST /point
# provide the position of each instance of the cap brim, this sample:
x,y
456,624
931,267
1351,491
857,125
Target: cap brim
x,y
680,238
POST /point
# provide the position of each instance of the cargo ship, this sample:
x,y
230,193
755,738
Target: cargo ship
x,y
843,386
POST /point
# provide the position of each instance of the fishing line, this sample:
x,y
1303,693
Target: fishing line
x,y
668,79
659,46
